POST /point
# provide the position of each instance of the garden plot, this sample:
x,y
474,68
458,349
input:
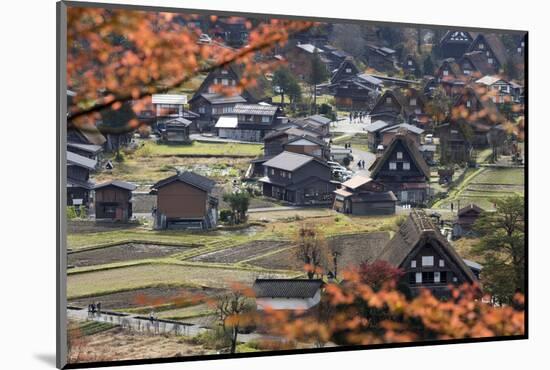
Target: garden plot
x,y
352,249
122,252
242,252
96,282
166,297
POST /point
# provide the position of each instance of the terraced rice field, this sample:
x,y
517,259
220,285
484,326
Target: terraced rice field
x,y
122,252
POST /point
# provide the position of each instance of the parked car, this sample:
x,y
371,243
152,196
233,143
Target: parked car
x,y
204,39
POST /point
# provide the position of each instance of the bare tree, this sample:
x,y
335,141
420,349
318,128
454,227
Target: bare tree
x,y
229,311
311,249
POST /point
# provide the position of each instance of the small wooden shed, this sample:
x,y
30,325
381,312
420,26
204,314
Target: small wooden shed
x,y
113,200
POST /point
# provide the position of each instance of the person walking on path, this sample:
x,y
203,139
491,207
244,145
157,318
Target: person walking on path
x,y
98,305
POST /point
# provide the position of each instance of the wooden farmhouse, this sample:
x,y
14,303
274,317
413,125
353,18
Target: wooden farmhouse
x,y
450,77
317,124
466,218
426,256
308,145
113,200
454,43
357,92
361,195
400,105
335,57
287,294
300,56
86,150
211,106
232,30
403,170
492,49
410,65
220,92
176,131
79,184
374,133
346,70
249,122
479,114
381,58
413,132
275,142
474,64
500,90
185,201
298,179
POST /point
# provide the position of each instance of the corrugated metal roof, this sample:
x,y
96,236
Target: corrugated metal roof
x,y
81,161
255,109
116,183
227,122
310,48
191,178
356,181
169,99
214,98
406,126
370,79
287,288
288,161
90,148
376,126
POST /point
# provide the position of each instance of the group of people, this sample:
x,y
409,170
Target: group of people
x,y
94,308
361,164
355,116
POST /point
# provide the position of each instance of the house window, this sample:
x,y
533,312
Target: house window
x,y
399,155
202,110
481,46
265,119
388,100
468,104
490,60
224,72
413,264
393,166
283,174
427,260
406,166
455,279
445,73
413,101
348,70
410,62
225,81
418,278
441,263
437,277
272,171
519,50
428,277
289,175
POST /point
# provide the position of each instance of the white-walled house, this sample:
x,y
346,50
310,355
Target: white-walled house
x,y
287,294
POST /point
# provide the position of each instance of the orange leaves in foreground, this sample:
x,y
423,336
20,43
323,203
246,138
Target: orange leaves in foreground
x,y
133,54
354,314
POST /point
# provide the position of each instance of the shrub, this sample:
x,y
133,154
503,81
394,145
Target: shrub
x,y
214,339
225,215
71,213
119,157
144,151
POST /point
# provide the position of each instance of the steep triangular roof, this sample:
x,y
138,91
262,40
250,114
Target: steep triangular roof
x,y
493,42
341,73
415,232
410,147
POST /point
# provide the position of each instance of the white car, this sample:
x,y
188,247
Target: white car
x,y
205,39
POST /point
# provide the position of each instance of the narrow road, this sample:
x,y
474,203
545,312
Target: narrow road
x,y
135,323
358,155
